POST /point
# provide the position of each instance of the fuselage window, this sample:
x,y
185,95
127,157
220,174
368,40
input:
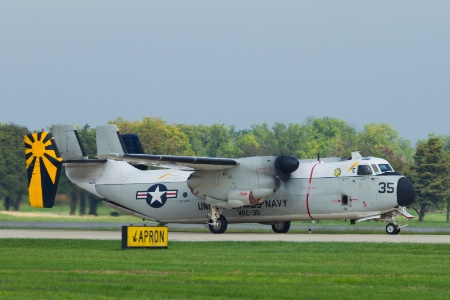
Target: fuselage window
x,y
364,170
385,168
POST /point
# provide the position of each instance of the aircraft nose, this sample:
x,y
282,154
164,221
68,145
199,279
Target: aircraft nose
x,y
406,193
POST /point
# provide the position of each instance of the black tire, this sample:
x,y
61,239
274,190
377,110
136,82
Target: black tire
x,y
220,227
391,228
281,227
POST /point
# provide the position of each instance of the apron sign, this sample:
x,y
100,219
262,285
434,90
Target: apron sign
x,y
145,237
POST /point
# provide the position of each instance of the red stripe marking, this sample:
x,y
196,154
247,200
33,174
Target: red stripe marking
x,y
171,194
141,195
309,188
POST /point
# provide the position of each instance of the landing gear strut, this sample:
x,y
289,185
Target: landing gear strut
x,y
216,222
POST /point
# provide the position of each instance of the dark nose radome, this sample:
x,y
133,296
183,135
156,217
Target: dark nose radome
x,y
406,193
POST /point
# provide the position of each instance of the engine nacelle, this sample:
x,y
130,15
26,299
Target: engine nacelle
x,y
250,182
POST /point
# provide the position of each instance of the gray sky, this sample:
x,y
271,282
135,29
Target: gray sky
x,y
228,62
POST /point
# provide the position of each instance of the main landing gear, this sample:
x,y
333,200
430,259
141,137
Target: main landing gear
x,y
216,222
281,227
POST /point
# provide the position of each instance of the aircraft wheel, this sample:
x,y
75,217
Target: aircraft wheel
x,y
220,227
391,228
281,227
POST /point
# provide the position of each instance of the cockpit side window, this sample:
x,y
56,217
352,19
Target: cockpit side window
x,y
364,170
385,168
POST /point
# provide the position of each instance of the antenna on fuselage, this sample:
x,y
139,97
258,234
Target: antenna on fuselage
x,y
318,156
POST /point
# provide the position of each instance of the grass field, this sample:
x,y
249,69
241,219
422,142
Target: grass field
x,y
83,269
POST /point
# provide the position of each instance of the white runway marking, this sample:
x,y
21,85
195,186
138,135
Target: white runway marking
x,y
205,237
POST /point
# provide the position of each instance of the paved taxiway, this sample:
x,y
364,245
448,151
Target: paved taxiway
x,y
204,237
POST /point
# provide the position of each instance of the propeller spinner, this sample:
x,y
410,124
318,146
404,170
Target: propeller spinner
x,y
285,165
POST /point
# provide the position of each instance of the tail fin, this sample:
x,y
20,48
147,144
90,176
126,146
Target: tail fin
x,y
68,142
109,140
44,165
132,143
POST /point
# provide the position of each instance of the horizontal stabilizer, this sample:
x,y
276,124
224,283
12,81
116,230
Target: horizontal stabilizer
x,y
44,164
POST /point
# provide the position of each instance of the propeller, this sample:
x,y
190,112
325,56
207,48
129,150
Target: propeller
x,y
285,165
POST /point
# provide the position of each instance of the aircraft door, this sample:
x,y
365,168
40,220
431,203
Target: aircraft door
x,y
358,194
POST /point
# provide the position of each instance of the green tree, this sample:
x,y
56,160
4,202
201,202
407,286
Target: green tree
x,y
445,141
13,179
327,137
221,141
446,184
430,174
265,137
198,136
88,138
246,144
157,137
281,139
381,140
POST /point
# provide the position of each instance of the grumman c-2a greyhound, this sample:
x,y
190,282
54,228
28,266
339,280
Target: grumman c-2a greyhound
x,y
216,191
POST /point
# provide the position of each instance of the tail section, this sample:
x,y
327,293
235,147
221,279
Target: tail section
x,y
132,143
45,154
109,140
68,142
44,165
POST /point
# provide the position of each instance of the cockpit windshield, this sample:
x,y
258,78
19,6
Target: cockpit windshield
x,y
374,169
385,168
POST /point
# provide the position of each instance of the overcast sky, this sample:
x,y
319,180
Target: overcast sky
x,y
228,62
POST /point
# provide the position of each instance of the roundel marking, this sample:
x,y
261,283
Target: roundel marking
x,y
157,195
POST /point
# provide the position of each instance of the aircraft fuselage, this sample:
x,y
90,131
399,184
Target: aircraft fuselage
x,y
316,191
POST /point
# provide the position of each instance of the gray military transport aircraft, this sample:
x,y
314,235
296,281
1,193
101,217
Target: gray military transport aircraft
x,y
216,191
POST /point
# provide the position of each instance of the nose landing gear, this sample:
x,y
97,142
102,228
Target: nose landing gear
x,y
391,218
392,228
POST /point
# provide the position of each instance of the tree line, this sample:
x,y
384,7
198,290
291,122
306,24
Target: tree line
x,y
427,165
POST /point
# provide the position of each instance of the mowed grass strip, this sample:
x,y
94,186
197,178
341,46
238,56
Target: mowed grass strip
x,y
84,269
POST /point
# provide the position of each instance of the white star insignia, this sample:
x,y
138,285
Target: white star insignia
x,y
156,195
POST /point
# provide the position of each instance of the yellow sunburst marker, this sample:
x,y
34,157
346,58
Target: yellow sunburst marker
x,y
43,168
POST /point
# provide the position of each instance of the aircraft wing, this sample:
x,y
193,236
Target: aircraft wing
x,y
171,161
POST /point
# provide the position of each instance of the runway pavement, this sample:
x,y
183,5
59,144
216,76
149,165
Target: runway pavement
x,y
203,237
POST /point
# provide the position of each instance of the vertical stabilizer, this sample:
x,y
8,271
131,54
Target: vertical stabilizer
x,y
44,165
68,142
109,140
